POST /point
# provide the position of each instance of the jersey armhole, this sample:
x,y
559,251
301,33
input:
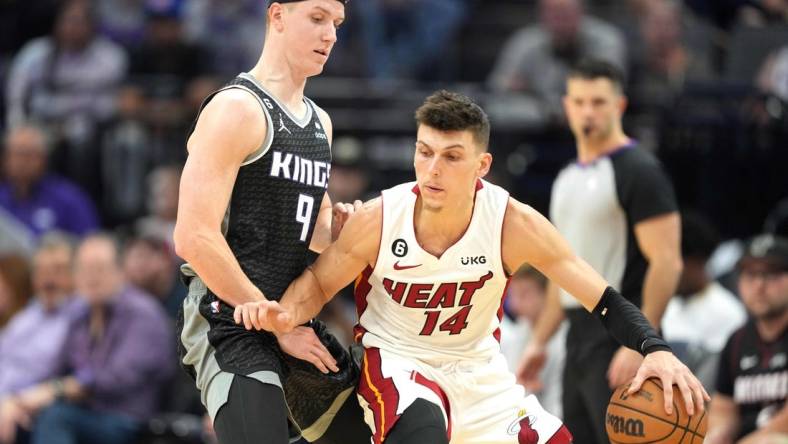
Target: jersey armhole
x,y
502,219
269,134
316,111
382,231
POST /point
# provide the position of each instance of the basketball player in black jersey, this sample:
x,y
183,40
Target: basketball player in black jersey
x,y
253,202
749,406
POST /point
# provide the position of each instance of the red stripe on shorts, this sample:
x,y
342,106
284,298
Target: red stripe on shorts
x,y
432,385
380,393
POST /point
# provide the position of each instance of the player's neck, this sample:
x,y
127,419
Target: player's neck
x,y
771,329
286,84
588,150
438,229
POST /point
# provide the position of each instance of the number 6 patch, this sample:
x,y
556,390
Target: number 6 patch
x,y
399,248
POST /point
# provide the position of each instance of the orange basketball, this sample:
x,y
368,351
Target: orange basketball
x,y
641,418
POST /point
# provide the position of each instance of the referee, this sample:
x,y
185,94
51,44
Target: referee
x,y
617,209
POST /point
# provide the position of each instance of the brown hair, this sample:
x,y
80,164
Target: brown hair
x,y
448,111
15,271
592,69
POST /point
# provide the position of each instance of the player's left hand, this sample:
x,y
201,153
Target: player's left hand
x,y
303,343
623,367
667,367
340,214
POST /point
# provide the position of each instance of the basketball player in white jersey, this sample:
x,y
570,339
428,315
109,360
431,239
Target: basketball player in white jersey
x,y
434,257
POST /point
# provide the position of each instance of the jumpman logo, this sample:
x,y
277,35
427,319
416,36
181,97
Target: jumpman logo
x,y
282,126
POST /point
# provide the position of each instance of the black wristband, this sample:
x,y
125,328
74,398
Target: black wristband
x,y
627,324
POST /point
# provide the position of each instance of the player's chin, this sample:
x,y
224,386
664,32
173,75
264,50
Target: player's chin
x,y
314,70
434,203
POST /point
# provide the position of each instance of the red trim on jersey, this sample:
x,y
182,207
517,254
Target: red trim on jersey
x,y
503,222
562,436
360,293
432,385
380,393
497,332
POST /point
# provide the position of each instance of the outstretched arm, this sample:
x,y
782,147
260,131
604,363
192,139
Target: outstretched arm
x,y
529,238
335,268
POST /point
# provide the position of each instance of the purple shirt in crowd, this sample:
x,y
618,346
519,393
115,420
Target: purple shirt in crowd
x,y
31,346
126,369
55,203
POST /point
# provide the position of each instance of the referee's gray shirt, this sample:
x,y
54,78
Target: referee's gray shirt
x,y
596,206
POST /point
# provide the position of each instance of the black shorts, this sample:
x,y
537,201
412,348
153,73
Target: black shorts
x,y
212,348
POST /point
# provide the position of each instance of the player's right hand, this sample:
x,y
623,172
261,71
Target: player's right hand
x,y
264,315
531,364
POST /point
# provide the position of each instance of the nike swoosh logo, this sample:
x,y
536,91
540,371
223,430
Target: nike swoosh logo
x,y
397,266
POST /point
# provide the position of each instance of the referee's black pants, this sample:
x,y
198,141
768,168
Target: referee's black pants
x,y
586,393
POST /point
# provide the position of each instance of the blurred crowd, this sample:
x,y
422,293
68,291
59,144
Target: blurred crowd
x,y
99,96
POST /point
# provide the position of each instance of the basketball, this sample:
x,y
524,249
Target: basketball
x,y
641,418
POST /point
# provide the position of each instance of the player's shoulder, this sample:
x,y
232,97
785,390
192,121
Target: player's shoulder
x,y
516,208
233,119
371,212
521,215
234,104
363,230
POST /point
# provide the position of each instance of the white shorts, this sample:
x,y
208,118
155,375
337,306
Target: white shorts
x,y
481,402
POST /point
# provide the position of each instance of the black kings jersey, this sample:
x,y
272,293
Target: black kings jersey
x,y
277,194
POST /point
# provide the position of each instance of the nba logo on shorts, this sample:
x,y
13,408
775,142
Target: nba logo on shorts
x,y
215,307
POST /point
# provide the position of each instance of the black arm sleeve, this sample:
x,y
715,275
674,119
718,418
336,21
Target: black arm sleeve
x,y
627,324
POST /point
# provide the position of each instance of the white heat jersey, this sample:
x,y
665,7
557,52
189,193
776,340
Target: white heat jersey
x,y
431,308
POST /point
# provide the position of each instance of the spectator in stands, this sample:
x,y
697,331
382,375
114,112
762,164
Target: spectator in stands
x,y
150,264
699,320
41,201
232,31
66,80
764,12
163,187
535,61
127,146
662,67
42,326
123,21
402,36
726,14
750,406
14,236
773,76
15,287
525,301
119,356
166,61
